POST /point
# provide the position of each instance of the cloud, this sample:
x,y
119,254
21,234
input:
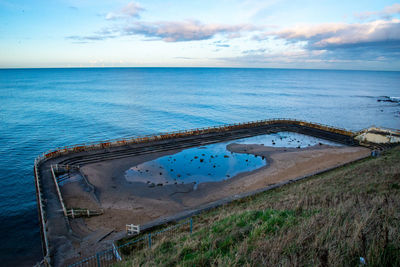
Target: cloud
x,y
254,51
170,31
386,13
131,10
374,43
98,36
181,31
377,34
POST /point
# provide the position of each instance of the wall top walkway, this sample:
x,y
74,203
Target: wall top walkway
x,y
184,133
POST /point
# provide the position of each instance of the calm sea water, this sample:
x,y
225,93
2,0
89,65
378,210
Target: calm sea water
x,y
41,109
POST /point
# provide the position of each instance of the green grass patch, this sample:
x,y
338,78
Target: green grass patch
x,y
329,219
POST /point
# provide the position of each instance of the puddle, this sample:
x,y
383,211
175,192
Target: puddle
x,y
212,163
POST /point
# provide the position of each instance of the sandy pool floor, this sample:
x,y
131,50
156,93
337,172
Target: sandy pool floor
x,y
127,202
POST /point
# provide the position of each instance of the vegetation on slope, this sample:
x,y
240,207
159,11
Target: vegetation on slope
x,y
330,219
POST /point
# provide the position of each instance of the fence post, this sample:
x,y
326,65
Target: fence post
x,y
98,259
191,225
150,240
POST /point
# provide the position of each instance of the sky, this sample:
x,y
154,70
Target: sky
x,y
317,34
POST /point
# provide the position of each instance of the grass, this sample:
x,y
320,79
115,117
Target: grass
x,y
331,219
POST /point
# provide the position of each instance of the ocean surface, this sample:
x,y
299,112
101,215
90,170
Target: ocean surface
x,y
41,109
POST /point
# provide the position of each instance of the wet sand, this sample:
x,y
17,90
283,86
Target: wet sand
x,y
126,202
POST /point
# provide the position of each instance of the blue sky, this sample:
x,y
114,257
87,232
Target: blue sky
x,y
355,34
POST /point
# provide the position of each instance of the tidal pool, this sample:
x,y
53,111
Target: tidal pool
x,y
212,163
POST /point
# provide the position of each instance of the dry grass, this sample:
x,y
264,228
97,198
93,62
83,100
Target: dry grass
x,y
330,219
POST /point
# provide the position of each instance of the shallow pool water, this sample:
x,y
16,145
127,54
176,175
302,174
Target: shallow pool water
x,y
212,163
285,139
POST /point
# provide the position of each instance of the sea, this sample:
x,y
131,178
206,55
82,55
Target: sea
x,y
41,109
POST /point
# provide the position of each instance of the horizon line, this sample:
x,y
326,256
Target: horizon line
x,y
186,67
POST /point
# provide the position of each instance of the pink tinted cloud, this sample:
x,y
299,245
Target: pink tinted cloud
x,y
387,12
341,34
188,30
132,9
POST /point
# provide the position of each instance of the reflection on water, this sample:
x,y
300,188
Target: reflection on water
x,y
212,163
285,139
209,163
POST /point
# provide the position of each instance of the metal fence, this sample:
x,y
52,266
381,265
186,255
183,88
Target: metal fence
x,y
112,255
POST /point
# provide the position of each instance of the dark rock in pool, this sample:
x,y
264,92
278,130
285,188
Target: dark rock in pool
x,y
228,175
160,173
196,157
160,184
226,156
172,170
203,155
201,160
148,182
389,99
152,185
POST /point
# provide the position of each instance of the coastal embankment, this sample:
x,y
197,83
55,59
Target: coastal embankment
x,y
339,218
85,199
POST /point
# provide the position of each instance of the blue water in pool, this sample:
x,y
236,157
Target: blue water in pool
x,y
41,109
214,162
